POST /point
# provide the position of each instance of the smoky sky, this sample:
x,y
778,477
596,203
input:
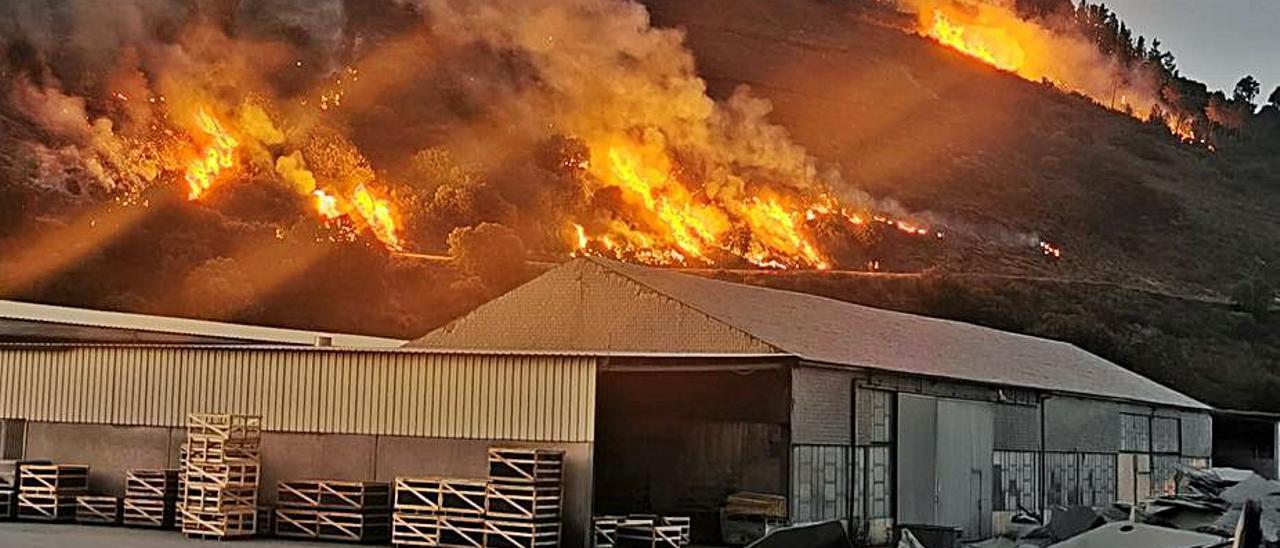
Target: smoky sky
x,y
1214,41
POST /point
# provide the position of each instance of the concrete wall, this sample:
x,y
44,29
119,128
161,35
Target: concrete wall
x,y
111,450
1080,425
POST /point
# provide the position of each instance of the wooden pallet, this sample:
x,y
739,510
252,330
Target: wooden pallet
x,y
461,532
219,525
523,502
11,471
46,507
225,426
410,529
522,465
97,510
649,536
296,523
521,534
242,474
151,483
354,527
54,478
355,496
418,495
148,512
206,498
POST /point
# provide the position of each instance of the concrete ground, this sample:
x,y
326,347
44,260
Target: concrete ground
x,y
47,535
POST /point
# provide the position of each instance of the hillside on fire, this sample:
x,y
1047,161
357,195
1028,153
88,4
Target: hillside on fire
x,y
383,166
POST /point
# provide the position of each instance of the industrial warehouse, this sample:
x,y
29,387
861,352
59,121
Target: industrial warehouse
x,y
666,392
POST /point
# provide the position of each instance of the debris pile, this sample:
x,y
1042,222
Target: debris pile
x,y
1211,508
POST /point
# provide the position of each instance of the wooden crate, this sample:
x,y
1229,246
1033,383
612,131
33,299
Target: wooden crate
x,y
649,536
355,495
412,529
521,534
219,525
54,478
225,427
46,507
461,532
213,451
418,495
604,530
148,512
211,498
354,526
11,471
8,504
296,523
685,525
151,483
298,494
464,497
523,502
242,474
97,510
522,465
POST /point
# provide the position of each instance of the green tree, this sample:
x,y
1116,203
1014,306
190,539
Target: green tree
x,y
1247,89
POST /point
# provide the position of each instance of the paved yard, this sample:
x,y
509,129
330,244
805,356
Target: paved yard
x,y
43,535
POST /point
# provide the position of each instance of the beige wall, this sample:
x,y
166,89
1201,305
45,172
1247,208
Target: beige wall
x,y
111,450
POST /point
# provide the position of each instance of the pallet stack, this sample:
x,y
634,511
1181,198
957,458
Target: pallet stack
x,y
10,472
523,503
47,492
434,511
652,531
150,497
347,511
97,510
219,496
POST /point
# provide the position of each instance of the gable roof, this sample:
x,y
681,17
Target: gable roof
x,y
20,321
820,329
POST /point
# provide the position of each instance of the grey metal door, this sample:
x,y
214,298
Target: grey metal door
x,y
917,458
965,445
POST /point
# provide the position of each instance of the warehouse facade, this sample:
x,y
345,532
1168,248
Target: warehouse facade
x,y
360,415
852,412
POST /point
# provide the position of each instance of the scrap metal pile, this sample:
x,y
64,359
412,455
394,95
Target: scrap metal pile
x,y
1219,507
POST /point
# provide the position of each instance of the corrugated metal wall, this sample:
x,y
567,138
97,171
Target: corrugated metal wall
x,y
537,398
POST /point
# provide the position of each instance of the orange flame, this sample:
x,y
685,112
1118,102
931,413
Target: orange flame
x,y
217,156
993,46
377,212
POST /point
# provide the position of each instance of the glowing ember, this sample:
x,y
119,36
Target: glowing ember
x,y
217,156
1050,250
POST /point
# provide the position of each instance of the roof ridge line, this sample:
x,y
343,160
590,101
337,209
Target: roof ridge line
x,y
608,266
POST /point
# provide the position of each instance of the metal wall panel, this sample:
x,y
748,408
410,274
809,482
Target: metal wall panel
x,y
819,482
467,396
1017,427
821,406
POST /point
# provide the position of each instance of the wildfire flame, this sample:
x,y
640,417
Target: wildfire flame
x,y
217,156
668,223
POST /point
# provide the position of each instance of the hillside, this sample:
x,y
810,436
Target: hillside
x,y
906,119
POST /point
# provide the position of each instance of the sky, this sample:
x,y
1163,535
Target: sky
x,y
1214,41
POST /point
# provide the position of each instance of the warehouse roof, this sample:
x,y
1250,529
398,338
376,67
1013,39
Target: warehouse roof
x,y
820,329
31,322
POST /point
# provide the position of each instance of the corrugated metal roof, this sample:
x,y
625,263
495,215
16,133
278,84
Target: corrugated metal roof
x,y
196,328
825,330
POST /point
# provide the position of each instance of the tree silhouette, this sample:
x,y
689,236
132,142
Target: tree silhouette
x,y
1247,89
1274,99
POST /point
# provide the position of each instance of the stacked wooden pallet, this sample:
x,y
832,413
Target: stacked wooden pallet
x,y
347,511
10,471
48,492
523,503
219,496
652,531
97,510
150,496
434,511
